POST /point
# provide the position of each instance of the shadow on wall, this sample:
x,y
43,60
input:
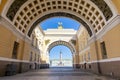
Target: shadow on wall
x,y
44,64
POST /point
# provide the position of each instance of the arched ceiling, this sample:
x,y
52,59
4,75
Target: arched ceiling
x,y
60,42
26,14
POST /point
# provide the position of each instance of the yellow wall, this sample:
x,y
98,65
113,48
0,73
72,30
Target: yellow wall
x,y
117,4
3,2
43,59
112,41
93,51
27,50
7,42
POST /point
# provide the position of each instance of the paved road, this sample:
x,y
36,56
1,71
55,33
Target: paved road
x,y
56,74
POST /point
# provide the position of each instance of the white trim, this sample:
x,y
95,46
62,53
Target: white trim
x,y
91,39
7,6
10,27
4,12
115,21
112,23
13,60
110,60
112,6
83,62
8,24
103,60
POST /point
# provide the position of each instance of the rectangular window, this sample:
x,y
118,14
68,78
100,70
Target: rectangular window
x,y
15,50
103,50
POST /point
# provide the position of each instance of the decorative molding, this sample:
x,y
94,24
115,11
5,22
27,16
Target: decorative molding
x,y
112,23
6,7
13,60
10,27
103,60
115,21
61,42
112,7
60,35
110,60
91,39
28,40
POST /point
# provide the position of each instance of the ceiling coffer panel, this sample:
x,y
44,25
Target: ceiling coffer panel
x,y
14,8
101,4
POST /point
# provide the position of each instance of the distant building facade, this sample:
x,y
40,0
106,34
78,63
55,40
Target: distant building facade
x,y
56,62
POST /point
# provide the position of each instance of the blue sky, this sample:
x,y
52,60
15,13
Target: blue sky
x,y
66,22
55,52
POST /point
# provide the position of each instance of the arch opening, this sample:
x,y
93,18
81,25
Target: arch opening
x,y
60,56
66,45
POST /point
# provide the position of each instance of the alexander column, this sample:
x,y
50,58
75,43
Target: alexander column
x,y
60,64
60,57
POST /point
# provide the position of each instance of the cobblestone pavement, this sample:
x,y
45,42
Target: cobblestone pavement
x,y
56,74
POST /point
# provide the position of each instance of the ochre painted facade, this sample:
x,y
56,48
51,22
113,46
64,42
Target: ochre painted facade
x,y
2,4
117,5
112,40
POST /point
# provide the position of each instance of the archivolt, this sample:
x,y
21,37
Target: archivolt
x,y
23,12
55,14
60,42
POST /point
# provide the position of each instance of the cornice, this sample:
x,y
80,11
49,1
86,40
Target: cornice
x,y
110,25
11,27
115,21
